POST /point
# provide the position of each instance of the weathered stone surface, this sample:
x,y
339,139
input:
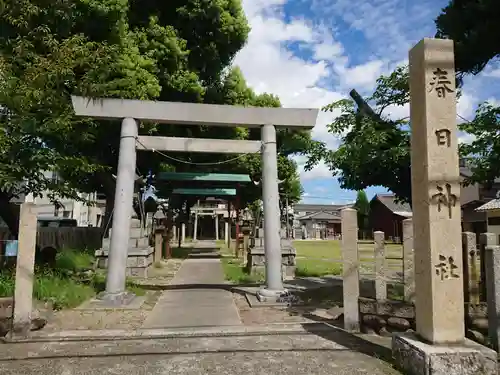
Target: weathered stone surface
x,y
414,357
439,296
384,332
25,264
477,310
368,330
336,312
387,308
400,324
137,272
132,243
492,268
134,232
256,259
374,321
138,261
480,324
476,336
350,269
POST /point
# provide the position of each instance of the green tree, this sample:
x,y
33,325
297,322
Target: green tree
x,y
483,152
474,27
374,150
362,206
41,64
176,51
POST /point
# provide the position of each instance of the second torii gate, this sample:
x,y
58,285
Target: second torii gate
x,y
131,111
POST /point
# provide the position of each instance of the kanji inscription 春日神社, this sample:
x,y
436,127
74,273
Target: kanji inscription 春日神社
x,y
440,82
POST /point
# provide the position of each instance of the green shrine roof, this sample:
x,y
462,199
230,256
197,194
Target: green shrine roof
x,y
203,177
205,192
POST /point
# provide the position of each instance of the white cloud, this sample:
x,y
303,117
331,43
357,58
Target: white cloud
x,y
465,138
389,28
318,172
494,73
364,75
269,67
466,106
493,101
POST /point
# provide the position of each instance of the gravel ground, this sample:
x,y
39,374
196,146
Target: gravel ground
x,y
116,319
282,354
273,315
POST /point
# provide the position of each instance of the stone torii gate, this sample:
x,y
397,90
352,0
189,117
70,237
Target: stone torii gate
x,y
131,111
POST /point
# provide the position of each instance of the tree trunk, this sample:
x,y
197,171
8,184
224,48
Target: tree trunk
x,y
9,213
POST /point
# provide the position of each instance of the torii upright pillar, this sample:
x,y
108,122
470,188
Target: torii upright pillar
x,y
270,197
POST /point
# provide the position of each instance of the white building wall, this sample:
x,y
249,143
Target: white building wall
x,y
73,209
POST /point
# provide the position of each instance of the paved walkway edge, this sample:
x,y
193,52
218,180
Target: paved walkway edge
x,y
223,331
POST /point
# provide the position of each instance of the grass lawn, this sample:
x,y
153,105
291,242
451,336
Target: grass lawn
x,y
66,283
234,269
235,272
320,258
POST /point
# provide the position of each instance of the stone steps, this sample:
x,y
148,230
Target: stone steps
x,y
134,232
132,242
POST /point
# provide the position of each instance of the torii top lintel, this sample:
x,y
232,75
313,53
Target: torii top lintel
x,y
193,113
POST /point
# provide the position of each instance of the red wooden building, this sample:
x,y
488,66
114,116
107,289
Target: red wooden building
x,y
386,215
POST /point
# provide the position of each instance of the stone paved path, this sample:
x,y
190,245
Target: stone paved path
x,y
263,355
191,301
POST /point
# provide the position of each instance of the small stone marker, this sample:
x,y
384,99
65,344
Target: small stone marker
x,y
485,240
158,254
408,261
439,347
23,295
350,269
471,282
380,278
492,263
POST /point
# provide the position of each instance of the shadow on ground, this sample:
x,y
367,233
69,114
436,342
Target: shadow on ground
x,y
330,289
353,342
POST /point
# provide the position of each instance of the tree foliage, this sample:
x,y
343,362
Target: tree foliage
x,y
362,206
482,153
178,50
373,151
474,27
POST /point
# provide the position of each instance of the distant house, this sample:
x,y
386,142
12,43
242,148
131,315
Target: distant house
x,y
317,221
492,212
386,215
478,204
471,198
67,208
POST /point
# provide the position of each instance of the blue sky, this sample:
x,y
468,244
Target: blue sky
x,y
313,52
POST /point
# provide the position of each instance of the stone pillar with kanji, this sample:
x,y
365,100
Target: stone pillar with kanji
x,y
439,345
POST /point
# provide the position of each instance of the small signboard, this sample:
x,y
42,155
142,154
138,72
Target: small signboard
x,y
11,248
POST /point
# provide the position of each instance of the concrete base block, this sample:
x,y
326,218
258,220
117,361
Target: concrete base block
x,y
254,302
20,329
415,357
139,261
265,295
122,300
